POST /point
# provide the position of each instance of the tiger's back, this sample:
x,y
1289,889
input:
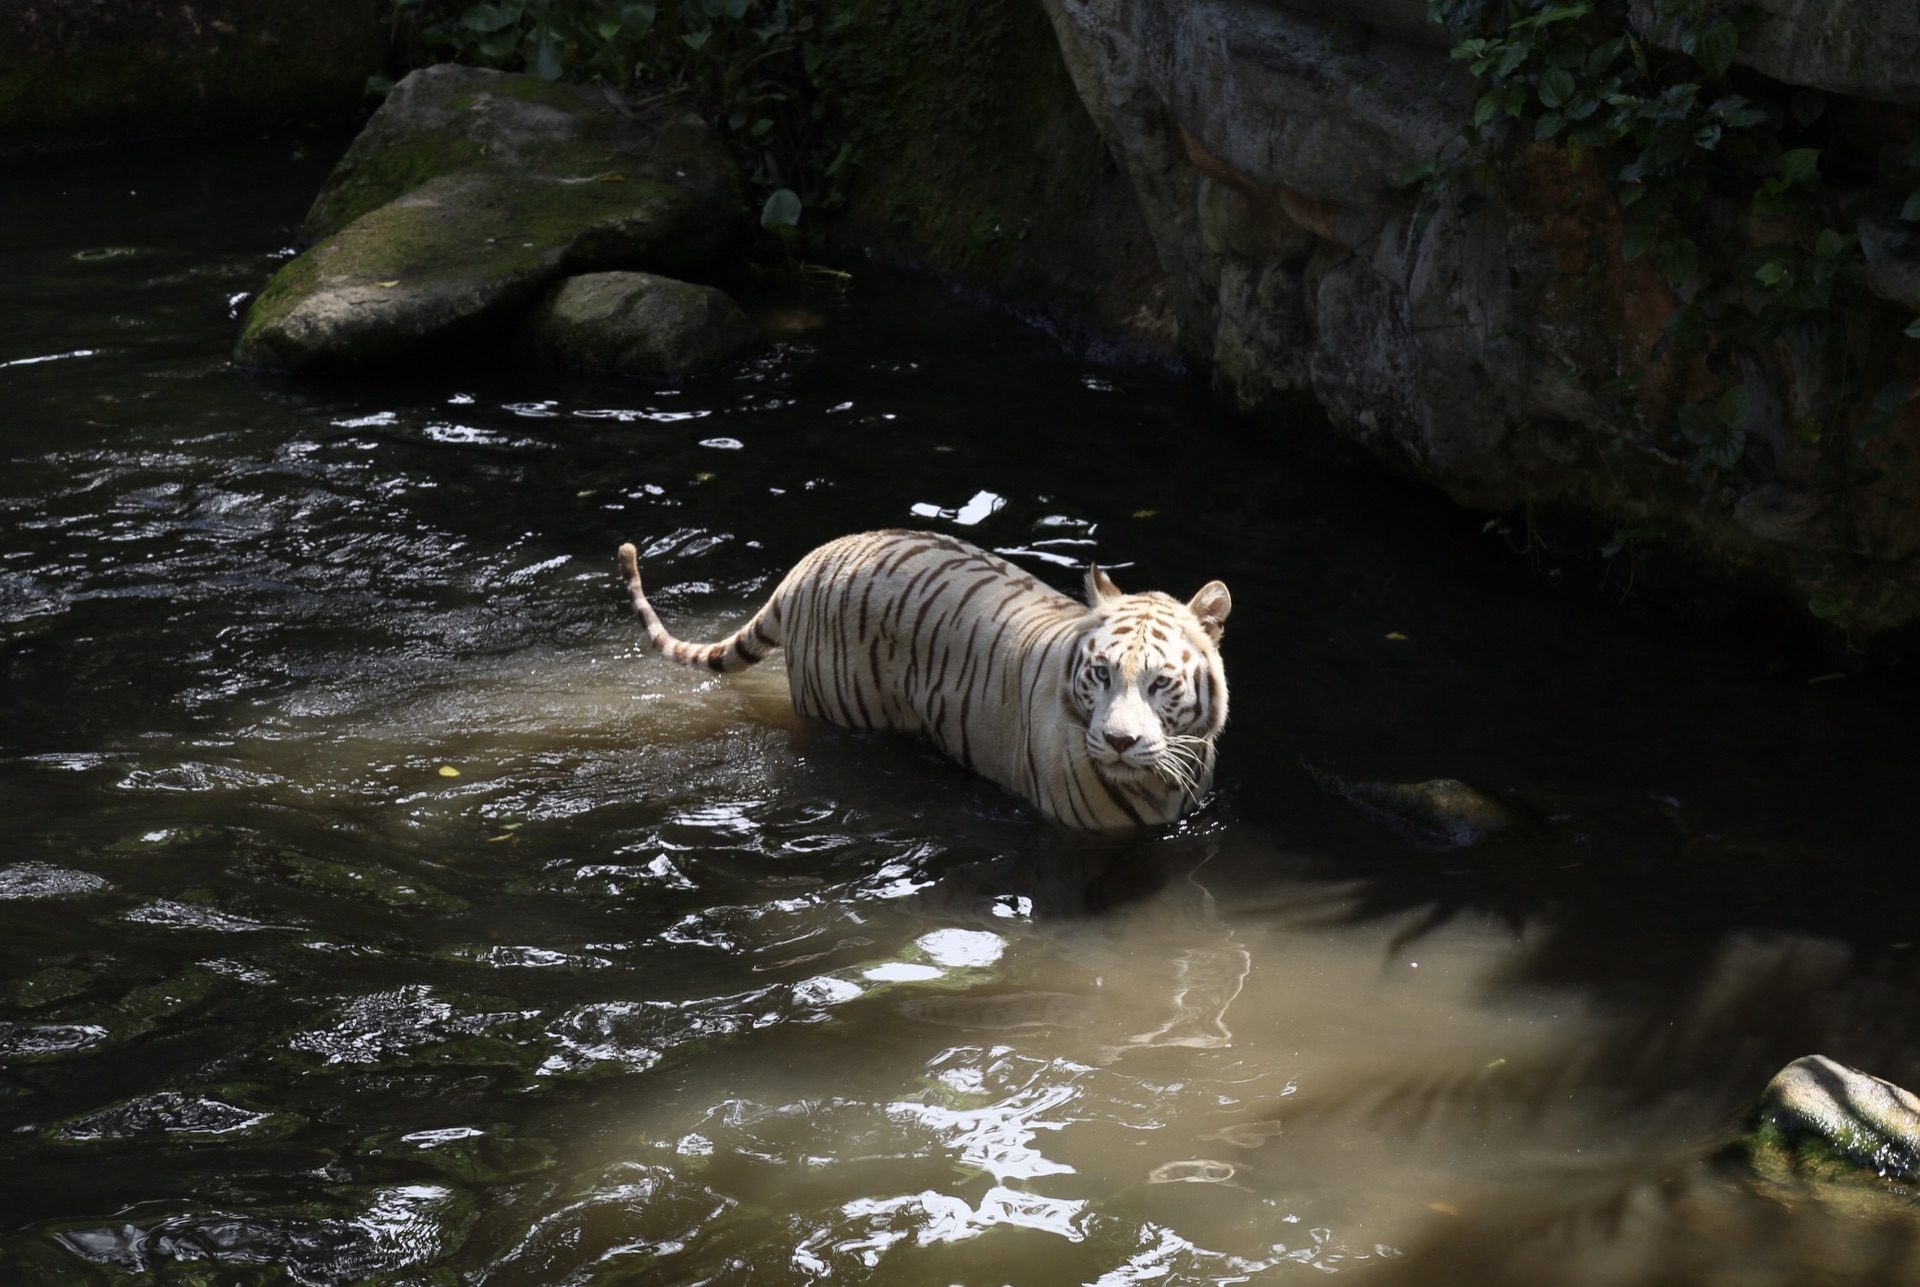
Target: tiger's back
x,y
921,632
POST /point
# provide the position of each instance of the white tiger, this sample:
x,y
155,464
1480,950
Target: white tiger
x,y
1103,716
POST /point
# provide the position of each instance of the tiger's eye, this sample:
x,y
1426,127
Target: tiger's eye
x,y
1159,685
1102,675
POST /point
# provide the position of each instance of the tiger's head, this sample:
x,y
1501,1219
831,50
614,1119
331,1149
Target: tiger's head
x,y
1148,681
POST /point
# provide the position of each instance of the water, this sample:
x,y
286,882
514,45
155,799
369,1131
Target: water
x,y
373,909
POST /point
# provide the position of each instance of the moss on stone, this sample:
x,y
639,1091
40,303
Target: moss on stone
x,y
357,187
1801,1162
460,251
458,203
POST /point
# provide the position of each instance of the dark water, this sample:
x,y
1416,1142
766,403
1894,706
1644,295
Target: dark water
x,y
373,910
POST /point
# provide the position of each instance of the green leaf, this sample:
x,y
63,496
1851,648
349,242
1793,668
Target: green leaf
x,y
1698,425
1831,603
1771,273
1556,87
1731,409
1911,211
1801,165
1886,408
1830,244
488,18
1562,13
1638,238
781,211
1727,450
1603,55
1681,261
1690,325
1913,329
1715,47
1808,105
1549,125
1486,108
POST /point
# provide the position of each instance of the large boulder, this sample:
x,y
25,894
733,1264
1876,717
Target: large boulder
x,y
1865,48
639,324
1479,349
466,195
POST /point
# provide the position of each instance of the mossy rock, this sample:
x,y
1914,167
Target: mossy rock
x,y
639,324
1840,1133
451,119
464,197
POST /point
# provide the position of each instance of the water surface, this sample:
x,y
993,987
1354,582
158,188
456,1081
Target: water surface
x,y
374,909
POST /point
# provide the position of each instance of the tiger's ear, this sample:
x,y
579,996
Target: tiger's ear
x,y
1100,586
1212,605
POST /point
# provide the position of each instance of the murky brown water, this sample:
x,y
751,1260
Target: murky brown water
x,y
372,909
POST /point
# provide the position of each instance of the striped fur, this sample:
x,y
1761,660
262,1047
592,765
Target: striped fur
x,y
1102,715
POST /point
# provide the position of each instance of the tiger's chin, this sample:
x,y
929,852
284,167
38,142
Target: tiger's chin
x,y
1122,772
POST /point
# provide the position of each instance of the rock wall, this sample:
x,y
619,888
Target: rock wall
x,y
1267,143
982,165
77,70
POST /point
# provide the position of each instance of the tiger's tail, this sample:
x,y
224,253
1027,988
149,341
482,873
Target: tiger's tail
x,y
749,644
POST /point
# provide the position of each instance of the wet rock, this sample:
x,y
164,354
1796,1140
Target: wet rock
x,y
44,880
1840,1135
467,1153
466,195
1443,811
177,1116
1269,142
1861,47
639,324
1822,1121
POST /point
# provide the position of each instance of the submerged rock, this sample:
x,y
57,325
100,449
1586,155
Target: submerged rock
x,y
1824,1122
639,324
466,195
1442,811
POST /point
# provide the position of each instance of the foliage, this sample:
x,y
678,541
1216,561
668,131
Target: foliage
x,y
753,67
1725,191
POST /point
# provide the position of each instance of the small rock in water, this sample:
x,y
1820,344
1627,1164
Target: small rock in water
x,y
1821,1120
639,324
1443,811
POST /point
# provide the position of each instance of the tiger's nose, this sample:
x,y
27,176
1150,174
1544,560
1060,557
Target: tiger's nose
x,y
1120,741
